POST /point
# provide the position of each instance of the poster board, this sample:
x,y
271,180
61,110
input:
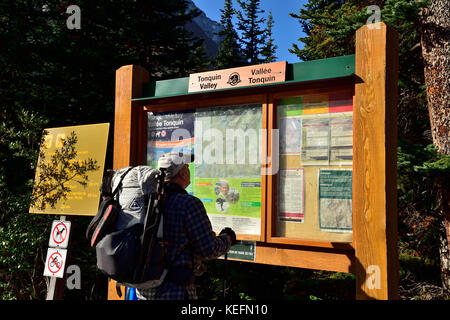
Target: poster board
x,y
226,175
76,154
314,185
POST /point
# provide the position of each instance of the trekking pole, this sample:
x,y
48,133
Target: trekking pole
x,y
225,275
151,224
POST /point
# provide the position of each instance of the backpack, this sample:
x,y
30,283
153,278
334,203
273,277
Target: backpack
x,y
127,230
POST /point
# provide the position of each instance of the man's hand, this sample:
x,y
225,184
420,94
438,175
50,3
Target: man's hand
x,y
230,233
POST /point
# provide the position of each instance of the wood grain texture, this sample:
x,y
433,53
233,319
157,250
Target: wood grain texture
x,y
374,163
304,257
129,81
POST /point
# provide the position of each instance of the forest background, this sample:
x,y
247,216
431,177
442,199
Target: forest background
x,y
53,76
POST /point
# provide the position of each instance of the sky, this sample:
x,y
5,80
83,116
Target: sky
x,y
286,30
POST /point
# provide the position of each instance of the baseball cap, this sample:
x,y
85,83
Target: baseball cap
x,y
173,161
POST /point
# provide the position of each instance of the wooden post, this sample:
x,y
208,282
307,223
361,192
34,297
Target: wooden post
x,y
129,82
375,163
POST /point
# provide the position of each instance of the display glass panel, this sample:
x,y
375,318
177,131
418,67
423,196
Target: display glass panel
x,y
226,174
314,181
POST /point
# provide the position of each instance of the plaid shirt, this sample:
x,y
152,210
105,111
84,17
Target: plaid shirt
x,y
185,219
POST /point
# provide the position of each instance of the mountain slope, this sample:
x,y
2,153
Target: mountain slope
x,y
205,28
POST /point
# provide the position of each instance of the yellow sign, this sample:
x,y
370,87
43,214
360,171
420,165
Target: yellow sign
x,y
238,77
69,171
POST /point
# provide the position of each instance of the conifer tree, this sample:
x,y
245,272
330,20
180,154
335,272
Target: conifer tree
x,y
269,49
229,54
249,23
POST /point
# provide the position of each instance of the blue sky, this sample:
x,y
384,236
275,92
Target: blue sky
x,y
286,30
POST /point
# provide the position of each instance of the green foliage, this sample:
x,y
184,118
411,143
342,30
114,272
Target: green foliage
x,y
437,164
330,26
419,224
249,23
269,49
229,54
316,19
22,251
254,45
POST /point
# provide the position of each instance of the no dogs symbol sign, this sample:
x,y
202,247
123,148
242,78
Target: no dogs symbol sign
x,y
56,254
59,237
55,262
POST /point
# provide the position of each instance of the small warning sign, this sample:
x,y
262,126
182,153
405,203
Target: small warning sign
x,y
59,236
55,262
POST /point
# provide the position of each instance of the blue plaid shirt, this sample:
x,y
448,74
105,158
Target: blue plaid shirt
x,y
185,219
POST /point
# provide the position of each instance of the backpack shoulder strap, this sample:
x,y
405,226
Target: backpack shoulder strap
x,y
120,181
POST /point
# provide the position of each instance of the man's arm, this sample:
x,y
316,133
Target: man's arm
x,y
199,230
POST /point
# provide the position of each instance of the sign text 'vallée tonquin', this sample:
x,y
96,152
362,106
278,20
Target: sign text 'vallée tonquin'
x,y
238,77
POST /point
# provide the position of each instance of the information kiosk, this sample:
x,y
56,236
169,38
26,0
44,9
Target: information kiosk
x,y
299,159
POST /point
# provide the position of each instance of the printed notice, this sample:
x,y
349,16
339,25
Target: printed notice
x,y
315,141
291,135
291,195
232,202
335,200
341,139
243,250
168,132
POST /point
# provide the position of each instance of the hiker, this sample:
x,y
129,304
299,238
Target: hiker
x,y
184,220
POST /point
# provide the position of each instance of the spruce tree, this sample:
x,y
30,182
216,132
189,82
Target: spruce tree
x,y
269,49
249,23
317,19
229,54
166,48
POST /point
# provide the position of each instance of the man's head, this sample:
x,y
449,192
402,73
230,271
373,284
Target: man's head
x,y
176,164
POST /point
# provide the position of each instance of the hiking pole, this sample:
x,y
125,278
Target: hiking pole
x,y
225,275
151,224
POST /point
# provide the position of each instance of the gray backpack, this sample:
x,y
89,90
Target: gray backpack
x,y
131,249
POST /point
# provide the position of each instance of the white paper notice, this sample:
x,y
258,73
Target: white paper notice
x,y
291,195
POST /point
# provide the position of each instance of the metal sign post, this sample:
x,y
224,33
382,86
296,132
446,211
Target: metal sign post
x,y
57,253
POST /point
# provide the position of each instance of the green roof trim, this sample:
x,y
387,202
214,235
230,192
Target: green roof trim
x,y
321,69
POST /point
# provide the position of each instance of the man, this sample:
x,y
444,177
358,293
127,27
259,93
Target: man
x,y
188,231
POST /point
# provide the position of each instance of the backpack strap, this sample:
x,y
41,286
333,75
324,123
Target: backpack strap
x,y
120,182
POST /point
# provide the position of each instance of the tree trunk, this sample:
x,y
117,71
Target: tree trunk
x,y
435,40
442,206
445,264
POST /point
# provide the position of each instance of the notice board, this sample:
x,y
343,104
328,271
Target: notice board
x,y
314,198
330,129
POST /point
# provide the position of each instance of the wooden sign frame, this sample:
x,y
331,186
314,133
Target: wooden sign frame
x,y
372,254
